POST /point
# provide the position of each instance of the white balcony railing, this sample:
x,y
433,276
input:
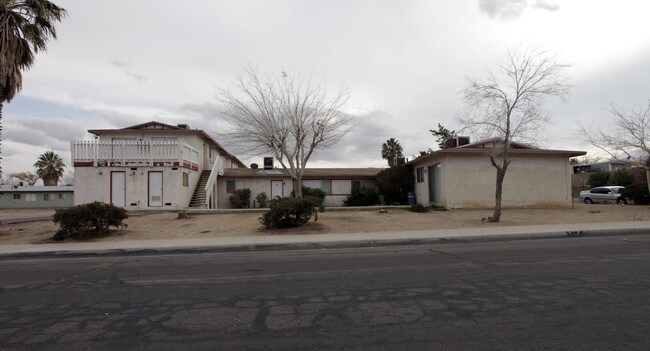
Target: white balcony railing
x,y
133,153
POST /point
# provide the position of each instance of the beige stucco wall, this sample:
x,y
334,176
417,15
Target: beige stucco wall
x,y
531,181
91,186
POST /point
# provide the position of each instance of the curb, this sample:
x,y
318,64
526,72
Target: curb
x,y
321,245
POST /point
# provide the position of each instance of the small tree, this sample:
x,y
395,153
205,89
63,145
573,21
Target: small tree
x,y
31,177
628,139
395,183
390,150
289,117
507,105
444,136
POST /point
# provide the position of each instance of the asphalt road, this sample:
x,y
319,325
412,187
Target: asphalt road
x,y
573,294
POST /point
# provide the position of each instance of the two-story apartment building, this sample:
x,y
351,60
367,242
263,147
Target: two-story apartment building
x,y
149,166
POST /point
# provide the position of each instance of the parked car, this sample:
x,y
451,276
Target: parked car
x,y
603,194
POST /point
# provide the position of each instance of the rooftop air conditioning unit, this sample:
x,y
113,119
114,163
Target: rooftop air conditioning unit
x,y
400,161
268,162
183,126
462,140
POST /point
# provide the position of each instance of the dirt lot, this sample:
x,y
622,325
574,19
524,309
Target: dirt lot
x,y
167,226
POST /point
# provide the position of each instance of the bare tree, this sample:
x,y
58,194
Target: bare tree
x,y
628,140
507,105
288,116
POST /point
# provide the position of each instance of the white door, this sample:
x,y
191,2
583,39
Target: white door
x,y
276,188
155,189
118,189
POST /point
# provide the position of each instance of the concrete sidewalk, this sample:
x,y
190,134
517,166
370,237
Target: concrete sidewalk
x,y
321,241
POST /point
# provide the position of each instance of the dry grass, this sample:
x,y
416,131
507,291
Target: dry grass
x,y
167,226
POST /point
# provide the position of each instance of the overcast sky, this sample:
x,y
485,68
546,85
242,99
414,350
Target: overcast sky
x,y
116,65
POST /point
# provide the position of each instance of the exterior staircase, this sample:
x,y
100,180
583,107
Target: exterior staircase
x,y
198,198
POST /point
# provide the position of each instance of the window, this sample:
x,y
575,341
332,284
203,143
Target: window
x,y
232,185
186,179
324,185
61,196
357,184
30,197
420,175
16,196
47,197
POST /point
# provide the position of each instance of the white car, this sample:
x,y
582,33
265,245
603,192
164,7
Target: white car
x,y
603,194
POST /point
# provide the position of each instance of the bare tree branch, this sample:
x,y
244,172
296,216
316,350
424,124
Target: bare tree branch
x,y
627,139
287,116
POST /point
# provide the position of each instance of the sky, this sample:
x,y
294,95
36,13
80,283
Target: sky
x,y
403,62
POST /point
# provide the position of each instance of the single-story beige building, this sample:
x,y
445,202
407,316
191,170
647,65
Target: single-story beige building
x,y
337,183
463,177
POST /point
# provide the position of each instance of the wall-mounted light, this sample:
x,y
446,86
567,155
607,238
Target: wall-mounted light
x,y
99,172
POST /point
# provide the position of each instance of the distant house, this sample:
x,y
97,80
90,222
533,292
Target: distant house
x,y
463,177
337,183
606,166
36,196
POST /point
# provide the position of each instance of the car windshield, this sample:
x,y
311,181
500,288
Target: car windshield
x,y
615,190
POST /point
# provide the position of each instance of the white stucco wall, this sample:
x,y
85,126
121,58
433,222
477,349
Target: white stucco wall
x,y
257,185
91,186
531,181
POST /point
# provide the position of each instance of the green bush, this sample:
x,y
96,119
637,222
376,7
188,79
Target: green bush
x,y
637,193
622,177
362,197
598,178
395,183
262,200
88,220
289,212
241,198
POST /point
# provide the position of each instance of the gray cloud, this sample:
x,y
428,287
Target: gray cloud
x,y
509,9
52,133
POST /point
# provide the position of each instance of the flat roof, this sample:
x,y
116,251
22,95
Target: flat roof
x,y
310,173
36,189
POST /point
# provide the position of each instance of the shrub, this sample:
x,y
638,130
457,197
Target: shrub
x,y
88,220
362,196
289,212
313,192
240,198
395,183
637,193
622,177
598,178
262,200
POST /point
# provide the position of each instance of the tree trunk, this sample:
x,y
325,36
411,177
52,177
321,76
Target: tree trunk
x,y
498,196
1,105
297,189
647,177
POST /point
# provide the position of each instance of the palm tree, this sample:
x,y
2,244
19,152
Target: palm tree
x,y
49,167
25,28
390,150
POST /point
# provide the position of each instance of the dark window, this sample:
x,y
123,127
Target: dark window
x,y
420,175
46,197
16,196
